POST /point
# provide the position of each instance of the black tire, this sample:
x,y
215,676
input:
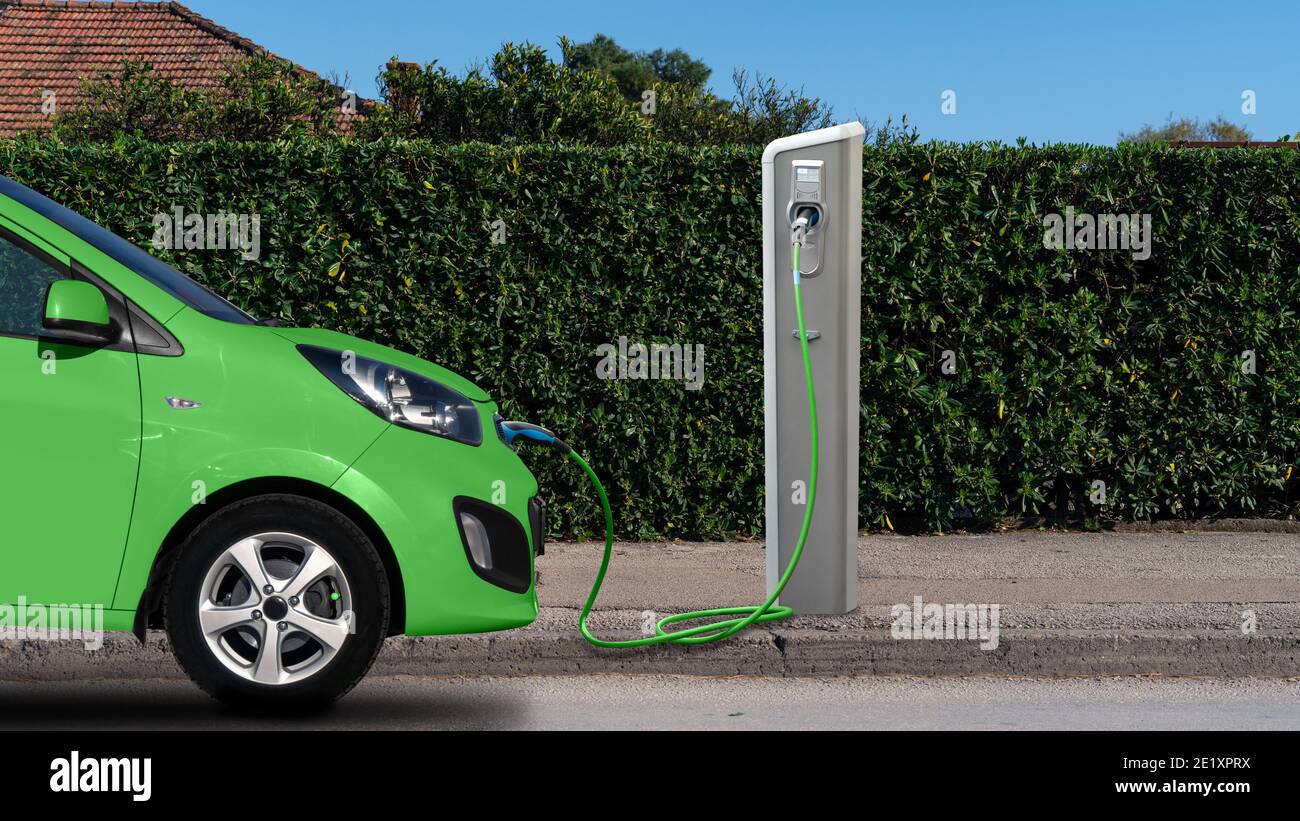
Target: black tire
x,y
354,555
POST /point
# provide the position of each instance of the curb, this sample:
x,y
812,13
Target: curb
x,y
817,653
778,653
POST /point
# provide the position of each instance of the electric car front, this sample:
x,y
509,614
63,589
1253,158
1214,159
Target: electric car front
x,y
280,499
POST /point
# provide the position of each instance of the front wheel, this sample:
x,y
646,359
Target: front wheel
x,y
277,601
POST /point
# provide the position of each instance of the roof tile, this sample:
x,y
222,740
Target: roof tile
x,y
52,44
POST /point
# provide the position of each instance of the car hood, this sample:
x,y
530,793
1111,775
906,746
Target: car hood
x,y
391,356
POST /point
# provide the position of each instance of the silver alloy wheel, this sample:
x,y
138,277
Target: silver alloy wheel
x,y
275,608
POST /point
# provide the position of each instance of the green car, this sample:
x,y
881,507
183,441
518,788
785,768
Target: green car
x,y
279,499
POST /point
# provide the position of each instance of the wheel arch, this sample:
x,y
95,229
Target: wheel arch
x,y
148,612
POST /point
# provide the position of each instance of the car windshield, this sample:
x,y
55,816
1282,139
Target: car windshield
x,y
129,254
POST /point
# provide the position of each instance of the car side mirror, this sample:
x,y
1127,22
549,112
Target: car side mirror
x,y
77,311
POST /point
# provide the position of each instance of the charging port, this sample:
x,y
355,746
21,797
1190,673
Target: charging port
x,y
807,210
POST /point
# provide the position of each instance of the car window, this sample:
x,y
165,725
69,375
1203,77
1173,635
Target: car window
x,y
128,254
24,280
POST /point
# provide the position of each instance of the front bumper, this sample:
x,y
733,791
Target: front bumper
x,y
414,486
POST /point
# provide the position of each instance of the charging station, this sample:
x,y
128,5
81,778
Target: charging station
x,y
812,196
818,172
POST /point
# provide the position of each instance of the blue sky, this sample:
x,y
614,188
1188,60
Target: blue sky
x,y
1047,71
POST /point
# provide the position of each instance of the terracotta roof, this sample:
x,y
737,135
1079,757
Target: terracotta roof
x,y
49,45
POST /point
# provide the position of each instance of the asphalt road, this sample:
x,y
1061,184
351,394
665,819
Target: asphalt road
x,y
687,702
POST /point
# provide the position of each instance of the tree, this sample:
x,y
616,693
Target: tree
x,y
685,110
679,68
135,100
264,98
258,98
521,96
1188,128
771,111
635,71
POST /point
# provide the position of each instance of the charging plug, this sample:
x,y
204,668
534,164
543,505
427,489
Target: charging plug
x,y
526,433
805,219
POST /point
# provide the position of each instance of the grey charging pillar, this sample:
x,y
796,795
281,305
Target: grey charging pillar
x,y
822,170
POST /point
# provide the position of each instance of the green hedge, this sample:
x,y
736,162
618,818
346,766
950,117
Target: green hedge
x,y
1072,366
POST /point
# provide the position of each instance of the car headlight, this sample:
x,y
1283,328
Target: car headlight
x,y
398,395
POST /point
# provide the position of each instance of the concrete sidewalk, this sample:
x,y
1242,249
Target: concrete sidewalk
x,y
1068,604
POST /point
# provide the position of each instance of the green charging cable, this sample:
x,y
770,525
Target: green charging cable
x,y
739,617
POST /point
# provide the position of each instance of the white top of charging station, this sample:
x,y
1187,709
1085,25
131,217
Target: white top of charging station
x,y
818,137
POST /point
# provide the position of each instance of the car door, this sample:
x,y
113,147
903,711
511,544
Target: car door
x,y
69,442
